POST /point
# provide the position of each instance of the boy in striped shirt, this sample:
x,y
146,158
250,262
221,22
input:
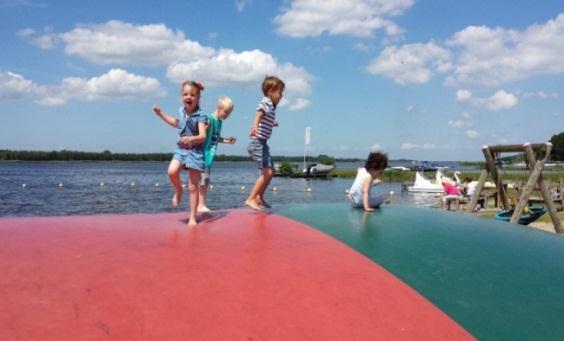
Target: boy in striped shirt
x,y
265,120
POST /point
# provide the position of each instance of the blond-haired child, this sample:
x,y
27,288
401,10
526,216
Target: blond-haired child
x,y
222,112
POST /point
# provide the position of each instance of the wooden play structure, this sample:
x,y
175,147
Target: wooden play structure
x,y
536,166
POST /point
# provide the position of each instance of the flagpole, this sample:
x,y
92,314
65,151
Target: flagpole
x,y
307,141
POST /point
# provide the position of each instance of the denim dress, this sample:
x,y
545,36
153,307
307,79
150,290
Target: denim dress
x,y
192,157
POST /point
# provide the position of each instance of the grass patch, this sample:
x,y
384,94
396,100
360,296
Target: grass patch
x,y
545,218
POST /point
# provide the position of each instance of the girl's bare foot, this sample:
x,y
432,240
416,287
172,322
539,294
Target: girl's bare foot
x,y
192,222
203,209
176,198
252,204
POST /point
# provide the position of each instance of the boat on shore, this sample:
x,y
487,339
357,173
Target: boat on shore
x,y
313,170
530,214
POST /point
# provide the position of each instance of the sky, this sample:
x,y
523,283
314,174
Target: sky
x,y
418,79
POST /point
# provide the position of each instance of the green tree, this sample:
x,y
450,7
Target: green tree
x,y
286,168
326,159
557,141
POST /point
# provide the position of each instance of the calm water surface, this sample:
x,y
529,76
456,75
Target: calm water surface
x,y
144,187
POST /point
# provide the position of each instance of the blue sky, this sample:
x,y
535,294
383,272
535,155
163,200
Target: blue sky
x,y
427,79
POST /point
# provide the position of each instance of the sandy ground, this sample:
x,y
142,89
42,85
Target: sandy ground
x,y
548,227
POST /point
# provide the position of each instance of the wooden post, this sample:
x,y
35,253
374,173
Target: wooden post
x,y
495,175
558,227
478,191
529,187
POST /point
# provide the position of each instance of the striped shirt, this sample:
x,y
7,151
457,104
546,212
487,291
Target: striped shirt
x,y
266,123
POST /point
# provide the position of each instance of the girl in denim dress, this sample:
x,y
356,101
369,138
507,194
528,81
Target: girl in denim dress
x,y
191,123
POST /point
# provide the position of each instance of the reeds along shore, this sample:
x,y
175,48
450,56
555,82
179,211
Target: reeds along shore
x,y
409,176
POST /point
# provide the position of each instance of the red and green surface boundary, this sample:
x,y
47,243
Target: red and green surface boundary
x,y
321,271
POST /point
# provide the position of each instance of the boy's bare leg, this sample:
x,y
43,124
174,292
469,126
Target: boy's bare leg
x,y
202,199
267,173
193,188
252,199
174,169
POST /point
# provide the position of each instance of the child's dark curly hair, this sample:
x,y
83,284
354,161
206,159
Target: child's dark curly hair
x,y
376,161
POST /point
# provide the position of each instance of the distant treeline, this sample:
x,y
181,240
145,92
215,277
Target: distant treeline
x,y
68,155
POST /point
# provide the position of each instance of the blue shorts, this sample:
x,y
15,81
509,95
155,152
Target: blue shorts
x,y
180,155
193,158
260,153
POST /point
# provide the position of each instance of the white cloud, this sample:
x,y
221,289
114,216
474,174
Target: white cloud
x,y
409,108
21,3
115,84
478,55
247,68
364,47
227,66
495,56
501,100
14,86
472,133
241,4
463,95
540,95
26,32
358,18
45,41
299,104
117,42
375,148
457,124
412,63
409,146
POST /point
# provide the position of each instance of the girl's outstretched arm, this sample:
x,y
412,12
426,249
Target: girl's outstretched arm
x,y
168,119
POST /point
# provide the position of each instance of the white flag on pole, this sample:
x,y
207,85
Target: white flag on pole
x,y
308,136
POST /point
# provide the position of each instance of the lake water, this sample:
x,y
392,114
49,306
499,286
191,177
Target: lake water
x,y
144,187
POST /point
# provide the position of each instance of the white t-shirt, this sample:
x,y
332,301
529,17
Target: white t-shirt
x,y
355,192
471,188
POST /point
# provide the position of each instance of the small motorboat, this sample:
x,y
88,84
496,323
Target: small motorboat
x,y
313,170
319,169
530,214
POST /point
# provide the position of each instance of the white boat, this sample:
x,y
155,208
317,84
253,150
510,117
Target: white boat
x,y
319,169
422,184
